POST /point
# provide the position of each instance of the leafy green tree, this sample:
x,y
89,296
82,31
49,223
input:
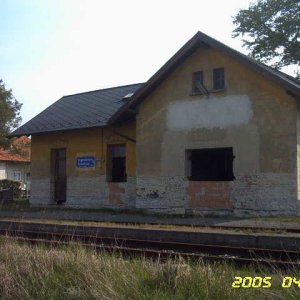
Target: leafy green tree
x,y
9,114
271,31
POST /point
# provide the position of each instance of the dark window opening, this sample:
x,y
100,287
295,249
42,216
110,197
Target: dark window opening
x,y
197,82
219,79
116,163
59,173
210,164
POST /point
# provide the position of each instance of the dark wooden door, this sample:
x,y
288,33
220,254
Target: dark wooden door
x,y
118,172
60,178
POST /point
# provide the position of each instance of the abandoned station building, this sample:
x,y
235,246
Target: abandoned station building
x,y
212,131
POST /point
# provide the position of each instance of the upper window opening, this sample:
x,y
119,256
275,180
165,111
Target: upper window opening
x,y
197,82
116,163
219,79
210,164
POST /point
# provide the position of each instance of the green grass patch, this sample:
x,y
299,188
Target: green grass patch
x,y
74,272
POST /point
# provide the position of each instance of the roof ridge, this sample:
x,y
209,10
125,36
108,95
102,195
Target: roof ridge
x,y
197,40
253,60
110,88
247,56
272,68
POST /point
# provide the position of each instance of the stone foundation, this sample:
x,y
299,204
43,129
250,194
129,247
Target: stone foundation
x,y
161,194
266,194
40,192
87,192
96,192
255,194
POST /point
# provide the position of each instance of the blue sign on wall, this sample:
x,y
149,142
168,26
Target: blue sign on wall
x,y
85,162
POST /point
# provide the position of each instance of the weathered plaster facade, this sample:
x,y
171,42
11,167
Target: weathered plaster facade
x,y
86,187
253,115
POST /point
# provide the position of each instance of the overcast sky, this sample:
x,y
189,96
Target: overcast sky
x,y
51,48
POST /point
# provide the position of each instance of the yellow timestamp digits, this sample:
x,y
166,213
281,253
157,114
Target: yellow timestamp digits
x,y
263,282
250,282
287,282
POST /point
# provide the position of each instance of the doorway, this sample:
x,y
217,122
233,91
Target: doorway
x,y
116,163
59,175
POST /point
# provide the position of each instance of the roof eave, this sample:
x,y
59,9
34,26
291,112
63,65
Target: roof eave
x,y
15,161
52,131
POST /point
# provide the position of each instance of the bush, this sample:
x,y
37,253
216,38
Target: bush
x,y
15,185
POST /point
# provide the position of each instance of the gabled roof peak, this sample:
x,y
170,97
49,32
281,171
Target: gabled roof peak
x,y
201,39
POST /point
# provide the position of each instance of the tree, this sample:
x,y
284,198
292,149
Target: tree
x,y
9,114
272,31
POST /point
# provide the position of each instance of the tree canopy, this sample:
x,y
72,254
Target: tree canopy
x,y
9,114
271,31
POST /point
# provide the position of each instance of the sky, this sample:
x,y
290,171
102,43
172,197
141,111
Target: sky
x,y
52,48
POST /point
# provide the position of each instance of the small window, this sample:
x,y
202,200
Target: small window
x,y
219,80
17,176
210,164
197,82
116,163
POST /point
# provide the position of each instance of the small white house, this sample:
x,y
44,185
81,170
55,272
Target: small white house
x,y
14,166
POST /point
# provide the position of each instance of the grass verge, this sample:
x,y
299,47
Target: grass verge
x,y
74,272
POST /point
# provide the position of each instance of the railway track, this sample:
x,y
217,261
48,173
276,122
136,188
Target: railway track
x,y
247,228
237,228
154,247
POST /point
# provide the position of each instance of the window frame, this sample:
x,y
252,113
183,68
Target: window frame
x,y
19,173
221,170
219,81
195,89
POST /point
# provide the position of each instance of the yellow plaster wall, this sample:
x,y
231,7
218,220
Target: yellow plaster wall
x,y
82,142
265,144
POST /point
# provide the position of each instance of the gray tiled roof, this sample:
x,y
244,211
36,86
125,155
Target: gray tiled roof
x,y
103,107
84,110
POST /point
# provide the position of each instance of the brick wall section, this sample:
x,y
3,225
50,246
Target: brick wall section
x,y
87,192
255,194
265,193
40,192
97,192
115,193
161,194
209,194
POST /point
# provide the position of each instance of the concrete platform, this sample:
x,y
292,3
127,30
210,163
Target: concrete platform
x,y
229,239
126,217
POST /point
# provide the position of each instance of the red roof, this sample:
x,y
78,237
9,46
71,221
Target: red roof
x,y
5,155
22,144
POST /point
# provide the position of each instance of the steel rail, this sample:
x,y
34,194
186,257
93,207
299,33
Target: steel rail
x,y
206,226
163,249
163,255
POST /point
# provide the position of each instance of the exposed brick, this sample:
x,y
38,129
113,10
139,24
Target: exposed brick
x,y
115,193
209,194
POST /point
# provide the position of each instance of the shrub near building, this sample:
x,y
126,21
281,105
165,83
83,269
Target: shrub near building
x,y
15,185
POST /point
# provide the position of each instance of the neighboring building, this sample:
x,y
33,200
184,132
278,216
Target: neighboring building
x,y
15,162
213,131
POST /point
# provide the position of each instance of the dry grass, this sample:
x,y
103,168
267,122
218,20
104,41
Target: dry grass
x,y
73,272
